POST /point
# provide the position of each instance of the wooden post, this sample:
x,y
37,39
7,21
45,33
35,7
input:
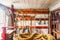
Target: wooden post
x,y
12,15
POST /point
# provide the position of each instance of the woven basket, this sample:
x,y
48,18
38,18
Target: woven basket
x,y
25,36
35,36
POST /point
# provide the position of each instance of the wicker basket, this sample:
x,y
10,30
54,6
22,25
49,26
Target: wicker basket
x,y
25,36
36,36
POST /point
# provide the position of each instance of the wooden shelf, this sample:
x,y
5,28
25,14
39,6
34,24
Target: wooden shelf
x,y
33,11
40,27
29,18
24,14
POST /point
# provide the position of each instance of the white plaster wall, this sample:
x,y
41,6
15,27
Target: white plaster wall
x,y
57,5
